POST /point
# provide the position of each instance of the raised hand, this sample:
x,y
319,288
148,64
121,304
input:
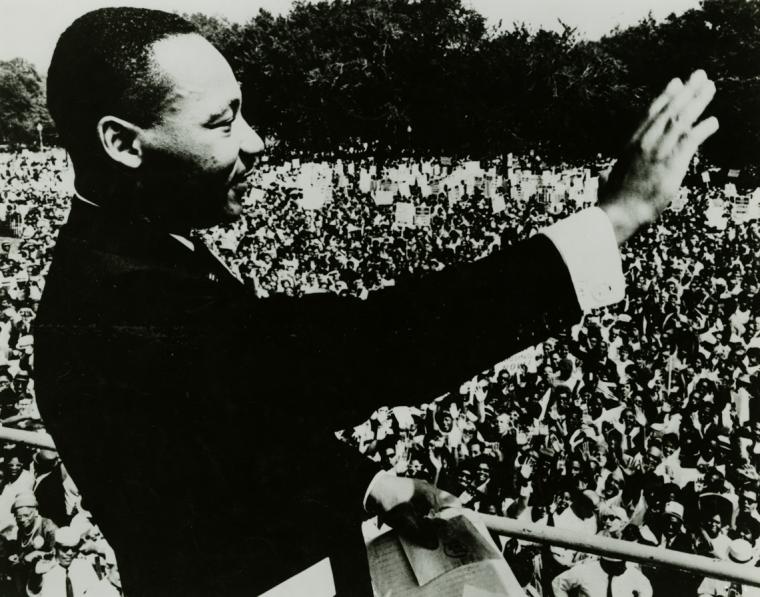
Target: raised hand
x,y
648,174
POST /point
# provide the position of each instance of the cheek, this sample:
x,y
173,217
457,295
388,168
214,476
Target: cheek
x,y
208,151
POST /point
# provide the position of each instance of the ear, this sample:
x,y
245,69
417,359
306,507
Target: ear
x,y
120,140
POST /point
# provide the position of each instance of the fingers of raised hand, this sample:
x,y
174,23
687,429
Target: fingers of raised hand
x,y
657,106
682,124
678,115
674,88
690,141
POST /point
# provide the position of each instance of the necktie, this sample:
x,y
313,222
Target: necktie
x,y
613,569
69,587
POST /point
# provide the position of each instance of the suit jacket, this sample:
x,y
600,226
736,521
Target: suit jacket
x,y
198,420
51,497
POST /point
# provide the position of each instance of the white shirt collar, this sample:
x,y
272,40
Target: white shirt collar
x,y
85,200
185,241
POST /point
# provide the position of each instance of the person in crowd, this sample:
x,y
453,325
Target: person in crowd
x,y
604,577
741,552
34,540
68,573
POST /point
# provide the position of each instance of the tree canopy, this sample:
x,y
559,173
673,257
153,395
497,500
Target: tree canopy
x,y
22,102
432,75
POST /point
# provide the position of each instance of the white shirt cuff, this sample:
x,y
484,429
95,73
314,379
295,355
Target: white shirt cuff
x,y
371,485
587,244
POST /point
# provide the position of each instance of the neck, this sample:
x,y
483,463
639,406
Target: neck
x,y
612,567
129,199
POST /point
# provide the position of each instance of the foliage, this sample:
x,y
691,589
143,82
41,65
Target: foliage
x,y
431,74
22,102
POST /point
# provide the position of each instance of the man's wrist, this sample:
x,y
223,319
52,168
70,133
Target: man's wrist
x,y
626,215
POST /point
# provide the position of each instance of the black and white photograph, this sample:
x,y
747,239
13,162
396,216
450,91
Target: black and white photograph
x,y
379,298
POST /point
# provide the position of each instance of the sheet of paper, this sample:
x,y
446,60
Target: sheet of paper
x,y
470,591
316,581
459,543
392,574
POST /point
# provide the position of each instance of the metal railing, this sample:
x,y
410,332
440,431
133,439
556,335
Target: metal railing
x,y
624,550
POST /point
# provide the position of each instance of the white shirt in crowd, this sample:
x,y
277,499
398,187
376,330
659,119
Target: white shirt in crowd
x,y
588,579
84,582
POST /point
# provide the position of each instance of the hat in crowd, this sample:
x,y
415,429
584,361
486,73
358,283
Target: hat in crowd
x,y
674,509
25,499
46,456
740,551
67,537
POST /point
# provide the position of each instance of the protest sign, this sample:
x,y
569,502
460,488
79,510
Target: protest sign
x,y
422,216
498,204
382,197
404,214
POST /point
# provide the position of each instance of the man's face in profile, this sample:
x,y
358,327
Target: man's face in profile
x,y
198,152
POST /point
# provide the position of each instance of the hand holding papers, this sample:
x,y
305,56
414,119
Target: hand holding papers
x,y
465,562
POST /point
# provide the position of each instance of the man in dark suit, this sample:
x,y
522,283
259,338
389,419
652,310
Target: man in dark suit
x,y
167,385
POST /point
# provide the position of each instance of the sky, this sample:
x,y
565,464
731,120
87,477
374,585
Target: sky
x,y
30,28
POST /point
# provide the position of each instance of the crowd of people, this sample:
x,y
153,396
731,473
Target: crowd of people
x,y
49,545
638,423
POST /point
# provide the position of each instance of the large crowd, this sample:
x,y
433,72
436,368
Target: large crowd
x,y
640,422
48,541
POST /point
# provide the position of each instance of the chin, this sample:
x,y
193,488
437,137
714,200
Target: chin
x,y
232,207
229,211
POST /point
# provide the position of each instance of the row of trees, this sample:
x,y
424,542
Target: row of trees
x,y
432,75
22,102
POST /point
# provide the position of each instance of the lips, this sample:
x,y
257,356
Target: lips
x,y
241,182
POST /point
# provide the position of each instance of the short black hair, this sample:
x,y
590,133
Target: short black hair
x,y
102,65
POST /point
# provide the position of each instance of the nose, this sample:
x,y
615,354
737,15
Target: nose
x,y
250,142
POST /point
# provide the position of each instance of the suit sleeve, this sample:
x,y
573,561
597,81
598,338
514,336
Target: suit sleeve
x,y
329,361
413,342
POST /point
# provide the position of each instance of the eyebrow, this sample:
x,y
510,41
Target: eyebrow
x,y
234,105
